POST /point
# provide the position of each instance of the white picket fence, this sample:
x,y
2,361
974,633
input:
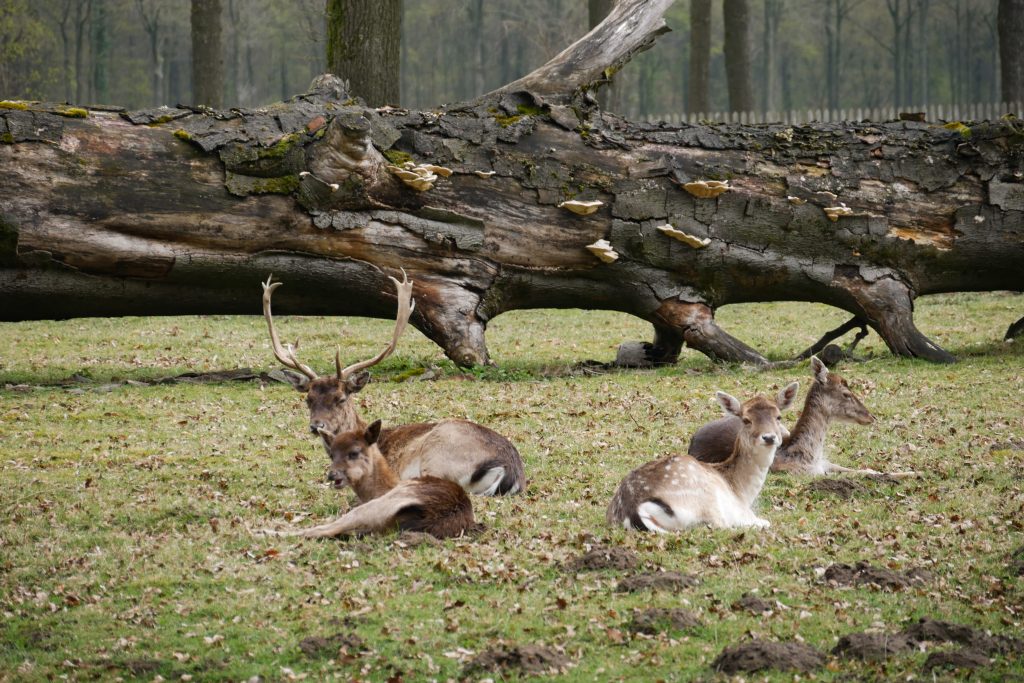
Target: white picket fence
x,y
933,112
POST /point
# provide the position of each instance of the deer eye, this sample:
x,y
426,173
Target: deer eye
x,y
746,421
353,455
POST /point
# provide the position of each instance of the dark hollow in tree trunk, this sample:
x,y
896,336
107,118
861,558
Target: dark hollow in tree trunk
x,y
179,211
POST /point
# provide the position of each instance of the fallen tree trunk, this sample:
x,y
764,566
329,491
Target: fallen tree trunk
x,y
182,211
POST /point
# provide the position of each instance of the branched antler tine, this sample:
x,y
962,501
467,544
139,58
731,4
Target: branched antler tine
x,y
284,354
405,308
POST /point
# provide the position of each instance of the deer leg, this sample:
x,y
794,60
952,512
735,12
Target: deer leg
x,y
888,306
1015,330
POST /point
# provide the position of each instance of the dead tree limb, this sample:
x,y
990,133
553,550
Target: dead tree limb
x,y
185,211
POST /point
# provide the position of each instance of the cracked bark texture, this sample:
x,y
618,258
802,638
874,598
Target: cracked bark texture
x,y
181,211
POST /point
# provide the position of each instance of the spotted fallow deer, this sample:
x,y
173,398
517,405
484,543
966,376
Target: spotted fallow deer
x,y
679,492
803,451
477,458
439,507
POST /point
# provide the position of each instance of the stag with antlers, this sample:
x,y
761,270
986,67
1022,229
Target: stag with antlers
x,y
477,458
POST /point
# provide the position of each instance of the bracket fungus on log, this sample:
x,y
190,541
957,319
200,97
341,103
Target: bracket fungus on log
x,y
581,208
418,178
684,237
834,212
603,250
707,189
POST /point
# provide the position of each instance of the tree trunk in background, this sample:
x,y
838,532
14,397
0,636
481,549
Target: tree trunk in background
x,y
363,47
100,53
151,23
769,69
736,14
83,10
699,98
1011,49
185,211
207,54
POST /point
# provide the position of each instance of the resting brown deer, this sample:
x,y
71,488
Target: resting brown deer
x,y
803,451
435,506
477,458
679,492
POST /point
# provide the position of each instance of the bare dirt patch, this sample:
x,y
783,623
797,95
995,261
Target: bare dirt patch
x,y
330,646
864,574
665,581
604,558
874,646
762,654
533,660
838,487
662,620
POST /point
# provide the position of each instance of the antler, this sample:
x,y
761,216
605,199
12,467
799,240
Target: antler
x,y
285,354
405,308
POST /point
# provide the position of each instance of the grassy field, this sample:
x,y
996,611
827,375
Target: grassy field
x,y
124,550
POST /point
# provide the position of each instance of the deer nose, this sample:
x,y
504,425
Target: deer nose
x,y
769,438
315,426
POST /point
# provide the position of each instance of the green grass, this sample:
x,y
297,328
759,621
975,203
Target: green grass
x,y
123,508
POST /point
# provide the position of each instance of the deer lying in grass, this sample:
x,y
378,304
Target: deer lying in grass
x,y
679,491
427,504
477,458
803,451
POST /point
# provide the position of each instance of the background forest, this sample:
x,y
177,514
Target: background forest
x,y
805,53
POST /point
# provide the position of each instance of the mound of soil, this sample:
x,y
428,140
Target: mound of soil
x,y
753,604
660,620
841,488
872,647
974,639
864,574
533,660
762,654
667,581
319,646
956,659
603,558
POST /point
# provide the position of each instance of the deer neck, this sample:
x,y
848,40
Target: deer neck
x,y
381,480
745,472
807,440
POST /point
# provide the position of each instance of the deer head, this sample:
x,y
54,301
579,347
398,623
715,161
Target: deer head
x,y
353,454
328,397
834,395
762,430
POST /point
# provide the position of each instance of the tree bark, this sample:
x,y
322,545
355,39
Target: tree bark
x,y
1010,21
363,47
207,54
698,99
179,211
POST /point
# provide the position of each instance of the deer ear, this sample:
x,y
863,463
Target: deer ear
x,y
327,436
730,404
356,382
786,396
819,370
372,432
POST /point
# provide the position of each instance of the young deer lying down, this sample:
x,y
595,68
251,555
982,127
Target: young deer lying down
x,y
477,458
803,451
679,492
435,506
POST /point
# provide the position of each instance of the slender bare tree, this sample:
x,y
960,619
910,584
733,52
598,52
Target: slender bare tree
x,y
737,54
1011,49
698,97
207,54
